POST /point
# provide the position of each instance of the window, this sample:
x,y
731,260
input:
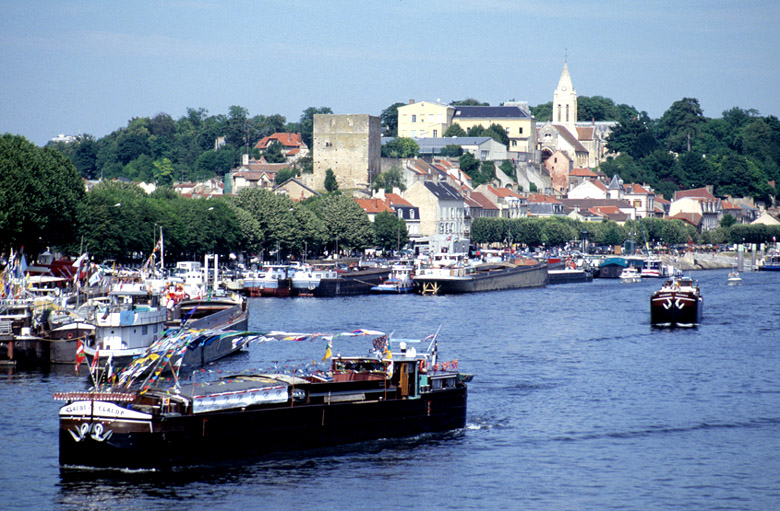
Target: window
x,y
507,132
414,118
567,113
435,133
411,214
520,131
514,143
559,113
414,133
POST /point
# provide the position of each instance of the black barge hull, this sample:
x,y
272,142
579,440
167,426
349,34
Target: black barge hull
x,y
174,440
675,309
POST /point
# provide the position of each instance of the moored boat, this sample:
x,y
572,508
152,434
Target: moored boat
x,y
308,276
770,262
396,392
273,280
454,274
630,275
678,303
399,281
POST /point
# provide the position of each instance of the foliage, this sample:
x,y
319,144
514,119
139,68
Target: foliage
x,y
307,123
471,167
389,179
389,231
273,153
331,184
454,131
451,150
389,118
468,102
285,174
401,147
346,224
495,131
41,195
508,168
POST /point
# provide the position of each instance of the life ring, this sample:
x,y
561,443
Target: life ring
x,y
70,335
423,368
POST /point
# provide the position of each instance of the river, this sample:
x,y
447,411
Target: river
x,y
577,403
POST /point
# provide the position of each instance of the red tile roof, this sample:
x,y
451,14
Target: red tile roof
x,y
585,133
540,198
373,206
582,173
636,189
503,192
483,201
694,193
288,140
692,218
394,198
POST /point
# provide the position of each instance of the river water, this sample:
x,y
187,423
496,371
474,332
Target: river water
x,y
576,403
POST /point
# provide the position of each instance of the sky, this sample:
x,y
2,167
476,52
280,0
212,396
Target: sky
x,y
88,67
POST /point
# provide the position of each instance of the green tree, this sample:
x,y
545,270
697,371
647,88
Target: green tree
x,y
307,123
543,112
468,102
163,173
451,150
284,174
346,224
389,118
273,153
331,184
508,168
389,231
454,131
680,124
41,194
389,179
470,166
401,147
727,221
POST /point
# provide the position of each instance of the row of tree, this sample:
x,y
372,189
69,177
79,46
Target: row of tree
x,y
554,231
43,204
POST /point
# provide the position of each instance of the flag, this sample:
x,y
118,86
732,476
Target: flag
x,y
328,353
80,356
94,361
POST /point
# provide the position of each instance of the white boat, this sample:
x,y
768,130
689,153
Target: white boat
x,y
734,279
400,280
308,276
630,275
273,280
131,321
653,267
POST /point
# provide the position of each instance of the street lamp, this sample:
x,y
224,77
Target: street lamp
x,y
584,237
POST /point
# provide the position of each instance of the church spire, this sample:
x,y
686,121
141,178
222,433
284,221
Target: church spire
x,y
565,101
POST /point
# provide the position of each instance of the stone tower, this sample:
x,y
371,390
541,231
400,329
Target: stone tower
x,y
350,145
565,102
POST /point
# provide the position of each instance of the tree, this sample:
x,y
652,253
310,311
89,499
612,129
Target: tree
x,y
454,131
163,173
390,231
284,174
468,102
346,224
389,118
273,153
307,123
401,147
389,179
680,124
470,166
727,221
451,150
41,195
543,112
331,184
487,172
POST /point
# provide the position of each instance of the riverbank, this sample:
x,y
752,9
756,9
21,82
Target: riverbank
x,y
705,261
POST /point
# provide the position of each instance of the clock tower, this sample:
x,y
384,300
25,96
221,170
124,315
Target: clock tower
x,y
565,102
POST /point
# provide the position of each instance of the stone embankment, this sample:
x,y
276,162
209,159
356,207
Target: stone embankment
x,y
705,261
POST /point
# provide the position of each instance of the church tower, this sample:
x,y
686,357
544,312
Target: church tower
x,y
565,102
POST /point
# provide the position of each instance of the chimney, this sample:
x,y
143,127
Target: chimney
x,y
244,159
411,101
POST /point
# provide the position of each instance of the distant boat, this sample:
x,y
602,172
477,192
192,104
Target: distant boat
x,y
630,275
734,279
400,280
274,280
770,262
678,303
453,273
307,277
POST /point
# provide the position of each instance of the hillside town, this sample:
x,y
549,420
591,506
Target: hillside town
x,y
553,171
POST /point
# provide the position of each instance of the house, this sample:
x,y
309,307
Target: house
x,y
510,204
515,118
614,209
588,189
405,210
442,209
295,189
424,119
253,174
701,201
373,206
559,165
293,146
641,197
481,148
578,175
543,205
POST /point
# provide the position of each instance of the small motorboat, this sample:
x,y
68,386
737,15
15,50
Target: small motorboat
x,y
734,279
630,275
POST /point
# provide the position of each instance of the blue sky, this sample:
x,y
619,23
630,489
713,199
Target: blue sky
x,y
90,66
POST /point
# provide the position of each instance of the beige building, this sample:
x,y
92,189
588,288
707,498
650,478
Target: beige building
x,y
519,124
426,119
442,209
350,145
